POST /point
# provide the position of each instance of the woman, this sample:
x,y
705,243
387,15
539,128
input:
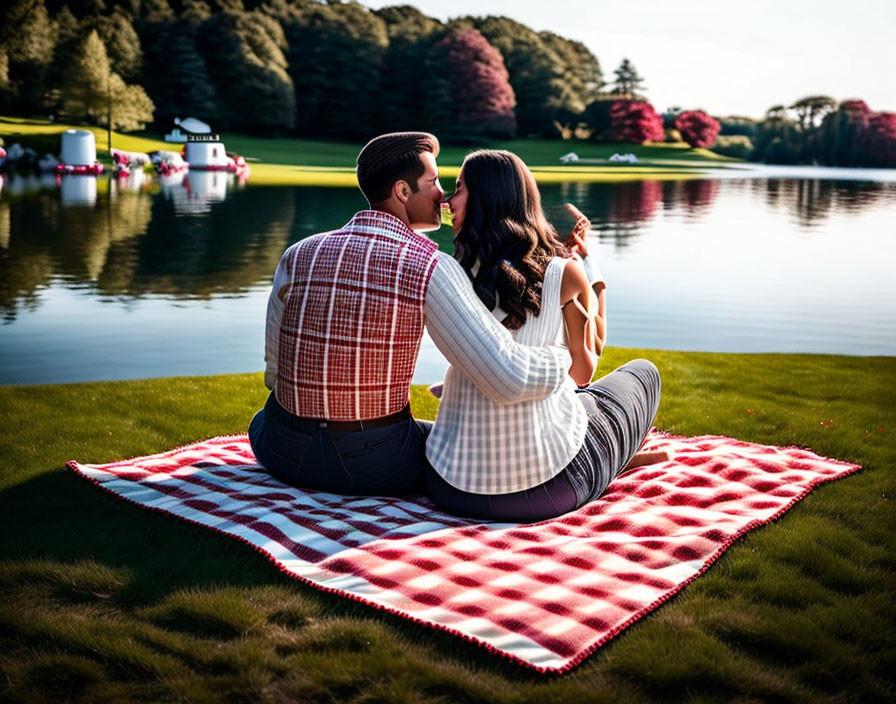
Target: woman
x,y
536,459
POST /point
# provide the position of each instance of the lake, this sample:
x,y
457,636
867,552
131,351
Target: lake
x,y
108,280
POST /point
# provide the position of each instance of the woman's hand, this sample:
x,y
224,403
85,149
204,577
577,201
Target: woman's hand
x,y
576,242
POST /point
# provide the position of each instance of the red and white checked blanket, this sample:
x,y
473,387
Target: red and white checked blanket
x,y
546,594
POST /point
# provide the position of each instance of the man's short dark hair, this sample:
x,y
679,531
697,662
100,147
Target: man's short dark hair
x,y
390,158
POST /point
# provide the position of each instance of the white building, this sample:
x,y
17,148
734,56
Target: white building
x,y
206,154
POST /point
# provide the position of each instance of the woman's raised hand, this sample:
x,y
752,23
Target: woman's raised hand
x,y
576,241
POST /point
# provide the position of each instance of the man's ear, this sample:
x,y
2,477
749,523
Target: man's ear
x,y
401,190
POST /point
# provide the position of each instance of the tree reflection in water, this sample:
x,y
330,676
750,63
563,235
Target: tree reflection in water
x,y
683,259
192,240
812,201
617,211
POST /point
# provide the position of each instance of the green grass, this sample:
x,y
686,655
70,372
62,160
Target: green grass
x,y
306,162
104,601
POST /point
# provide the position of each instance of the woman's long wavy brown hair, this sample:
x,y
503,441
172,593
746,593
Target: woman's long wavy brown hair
x,y
505,230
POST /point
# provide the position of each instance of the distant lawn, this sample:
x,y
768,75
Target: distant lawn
x,y
289,161
535,152
104,601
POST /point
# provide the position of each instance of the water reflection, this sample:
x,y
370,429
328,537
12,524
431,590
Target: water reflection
x,y
192,258
812,201
121,239
134,181
616,210
77,189
195,193
49,239
126,242
696,196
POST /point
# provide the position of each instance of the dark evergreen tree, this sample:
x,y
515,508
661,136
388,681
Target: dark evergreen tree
x,y
155,10
69,33
628,82
176,75
121,42
597,117
411,36
28,40
254,90
335,61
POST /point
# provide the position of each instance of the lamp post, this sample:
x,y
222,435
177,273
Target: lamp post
x,y
109,111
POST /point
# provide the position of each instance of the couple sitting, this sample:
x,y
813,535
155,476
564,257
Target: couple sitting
x,y
520,434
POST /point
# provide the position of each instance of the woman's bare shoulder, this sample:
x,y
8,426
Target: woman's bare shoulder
x,y
574,280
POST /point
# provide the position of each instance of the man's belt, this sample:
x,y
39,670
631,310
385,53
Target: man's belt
x,y
345,426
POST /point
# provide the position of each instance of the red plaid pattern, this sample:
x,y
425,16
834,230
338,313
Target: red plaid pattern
x,y
353,319
545,595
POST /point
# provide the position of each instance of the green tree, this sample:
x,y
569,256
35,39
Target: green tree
x,y
4,72
628,82
28,38
129,107
841,131
335,59
582,79
597,117
69,37
235,6
776,137
122,44
87,80
582,72
811,110
250,77
93,91
411,35
177,76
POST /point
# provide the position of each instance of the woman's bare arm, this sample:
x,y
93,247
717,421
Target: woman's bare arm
x,y
580,309
578,244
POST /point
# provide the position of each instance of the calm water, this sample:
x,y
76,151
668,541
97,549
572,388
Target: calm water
x,y
103,282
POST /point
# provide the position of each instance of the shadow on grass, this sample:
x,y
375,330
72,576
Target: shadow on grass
x,y
163,566
60,516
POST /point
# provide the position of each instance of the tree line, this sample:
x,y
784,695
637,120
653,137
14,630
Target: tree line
x,y
290,66
340,70
819,130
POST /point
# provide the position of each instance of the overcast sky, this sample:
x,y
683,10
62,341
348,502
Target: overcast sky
x,y
729,58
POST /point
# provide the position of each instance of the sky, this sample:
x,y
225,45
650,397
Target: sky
x,y
728,58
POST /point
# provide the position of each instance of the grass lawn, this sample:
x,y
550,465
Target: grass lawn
x,y
105,601
306,162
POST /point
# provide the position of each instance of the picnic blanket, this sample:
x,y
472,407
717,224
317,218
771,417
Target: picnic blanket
x,y
546,594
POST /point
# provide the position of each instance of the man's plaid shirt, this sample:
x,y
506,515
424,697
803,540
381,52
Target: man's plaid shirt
x,y
353,319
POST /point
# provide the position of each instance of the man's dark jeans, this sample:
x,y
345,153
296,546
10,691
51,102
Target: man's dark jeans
x,y
387,461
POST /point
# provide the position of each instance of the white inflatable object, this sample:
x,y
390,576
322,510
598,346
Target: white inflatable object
x,y
78,148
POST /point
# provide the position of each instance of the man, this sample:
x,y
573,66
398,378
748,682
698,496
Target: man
x,y
345,318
